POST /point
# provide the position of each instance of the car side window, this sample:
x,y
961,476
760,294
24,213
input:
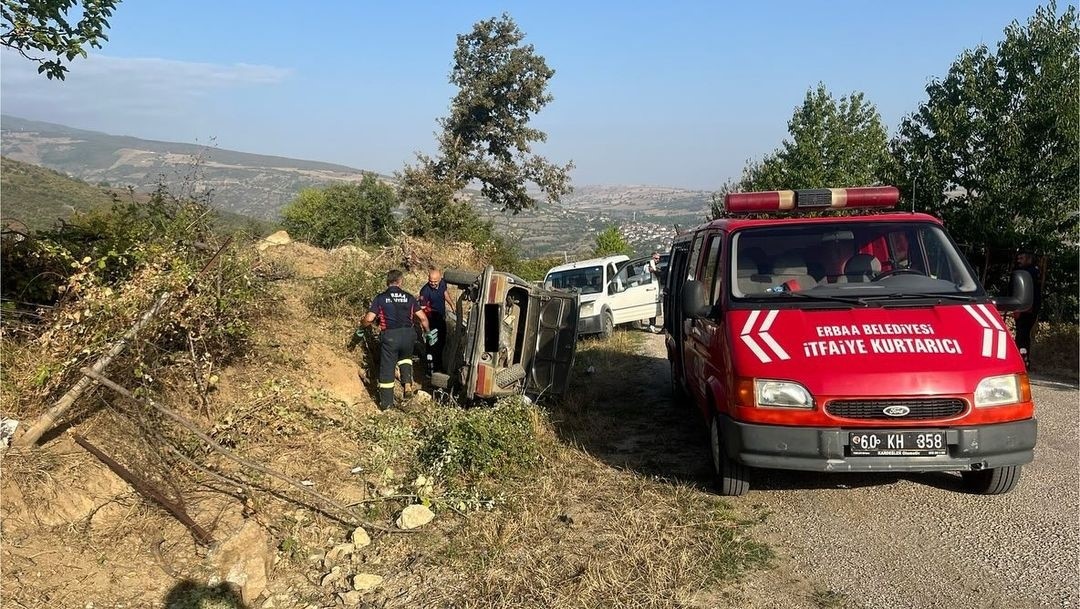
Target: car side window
x,y
695,257
711,273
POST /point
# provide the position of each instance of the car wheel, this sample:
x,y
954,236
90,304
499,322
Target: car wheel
x,y
459,278
995,481
608,327
732,478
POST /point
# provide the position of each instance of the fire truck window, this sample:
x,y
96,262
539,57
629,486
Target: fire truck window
x,y
712,266
695,259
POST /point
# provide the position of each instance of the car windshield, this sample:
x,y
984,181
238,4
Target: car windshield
x,y
587,280
858,262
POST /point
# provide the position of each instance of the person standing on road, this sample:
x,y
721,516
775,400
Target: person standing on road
x,y
434,301
1026,320
652,267
394,310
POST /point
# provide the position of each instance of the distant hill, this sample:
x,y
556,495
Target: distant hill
x,y
37,197
259,185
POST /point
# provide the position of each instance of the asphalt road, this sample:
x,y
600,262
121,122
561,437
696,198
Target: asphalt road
x,y
918,540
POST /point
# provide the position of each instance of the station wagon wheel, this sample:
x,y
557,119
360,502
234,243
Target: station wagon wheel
x,y
732,478
459,278
995,481
608,327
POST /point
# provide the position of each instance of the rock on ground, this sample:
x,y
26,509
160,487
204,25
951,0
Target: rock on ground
x,y
245,560
414,516
360,538
366,581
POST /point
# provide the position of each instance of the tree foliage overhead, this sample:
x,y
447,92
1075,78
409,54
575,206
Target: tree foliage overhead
x,y
343,212
610,242
994,150
832,143
486,138
48,27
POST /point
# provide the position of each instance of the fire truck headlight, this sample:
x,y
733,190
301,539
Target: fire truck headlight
x,y
781,394
998,391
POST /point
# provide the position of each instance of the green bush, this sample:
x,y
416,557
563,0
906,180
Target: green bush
x,y
346,292
610,242
467,446
343,212
535,269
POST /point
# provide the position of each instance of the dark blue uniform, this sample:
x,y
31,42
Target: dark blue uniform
x,y
433,301
394,310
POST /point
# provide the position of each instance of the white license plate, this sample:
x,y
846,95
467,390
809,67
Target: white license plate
x,y
897,443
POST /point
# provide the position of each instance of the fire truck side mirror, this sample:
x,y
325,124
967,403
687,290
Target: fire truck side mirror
x,y
1022,290
693,300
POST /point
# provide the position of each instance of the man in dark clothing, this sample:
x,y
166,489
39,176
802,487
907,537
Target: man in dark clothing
x,y
434,301
1025,321
394,310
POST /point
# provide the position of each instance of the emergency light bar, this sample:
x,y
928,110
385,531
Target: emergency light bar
x,y
812,198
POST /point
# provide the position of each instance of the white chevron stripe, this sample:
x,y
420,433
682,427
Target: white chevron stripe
x,y
775,346
988,342
991,316
1001,344
765,325
978,318
750,321
749,340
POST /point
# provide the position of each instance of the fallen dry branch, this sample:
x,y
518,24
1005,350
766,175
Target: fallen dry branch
x,y
145,489
48,418
194,429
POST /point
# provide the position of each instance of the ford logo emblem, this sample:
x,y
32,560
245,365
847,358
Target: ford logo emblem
x,y
896,411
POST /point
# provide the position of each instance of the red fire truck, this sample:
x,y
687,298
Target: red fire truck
x,y
845,343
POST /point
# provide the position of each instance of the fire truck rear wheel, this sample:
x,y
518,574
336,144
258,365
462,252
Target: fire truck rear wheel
x,y
996,481
732,477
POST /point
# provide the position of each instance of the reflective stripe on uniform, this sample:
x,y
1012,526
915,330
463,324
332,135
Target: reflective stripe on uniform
x,y
389,385
404,362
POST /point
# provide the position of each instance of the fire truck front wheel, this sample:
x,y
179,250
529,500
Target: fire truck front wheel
x,y
732,477
996,481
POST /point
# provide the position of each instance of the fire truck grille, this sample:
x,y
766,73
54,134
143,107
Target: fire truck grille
x,y
933,408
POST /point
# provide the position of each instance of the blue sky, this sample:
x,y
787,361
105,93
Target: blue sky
x,y
676,94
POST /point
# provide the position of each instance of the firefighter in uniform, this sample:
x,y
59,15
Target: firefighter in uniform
x,y
394,310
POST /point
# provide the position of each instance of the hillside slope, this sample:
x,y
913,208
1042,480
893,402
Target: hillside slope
x,y
259,186
37,197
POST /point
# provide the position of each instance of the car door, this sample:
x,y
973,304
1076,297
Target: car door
x,y
635,294
555,326
700,332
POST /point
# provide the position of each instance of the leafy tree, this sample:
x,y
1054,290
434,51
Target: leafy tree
x,y
342,212
833,143
995,148
486,138
610,242
45,26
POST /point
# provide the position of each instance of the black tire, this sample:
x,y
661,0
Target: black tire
x,y
440,380
732,477
995,481
607,327
459,278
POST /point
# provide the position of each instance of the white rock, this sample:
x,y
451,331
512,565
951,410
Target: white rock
x,y
360,538
245,559
339,551
414,516
366,581
335,575
351,598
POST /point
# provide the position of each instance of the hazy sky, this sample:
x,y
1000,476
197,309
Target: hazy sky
x,y
675,93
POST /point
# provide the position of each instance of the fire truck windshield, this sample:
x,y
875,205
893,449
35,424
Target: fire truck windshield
x,y
858,260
